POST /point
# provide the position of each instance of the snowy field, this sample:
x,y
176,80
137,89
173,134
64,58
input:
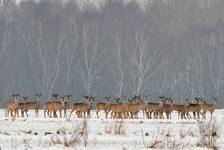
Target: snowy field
x,y
106,134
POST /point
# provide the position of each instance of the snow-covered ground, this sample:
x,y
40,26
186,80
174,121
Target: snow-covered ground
x,y
104,134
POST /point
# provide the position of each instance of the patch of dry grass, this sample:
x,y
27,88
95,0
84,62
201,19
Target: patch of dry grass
x,y
69,139
208,134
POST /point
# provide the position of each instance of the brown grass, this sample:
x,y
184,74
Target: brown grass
x,y
208,134
116,128
69,139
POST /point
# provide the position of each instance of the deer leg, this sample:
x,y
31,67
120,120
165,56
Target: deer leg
x,y
194,115
106,113
188,115
26,113
55,114
150,114
97,113
198,115
10,113
71,113
89,113
65,113
6,113
211,115
77,114
49,113
37,112
167,115
44,113
60,113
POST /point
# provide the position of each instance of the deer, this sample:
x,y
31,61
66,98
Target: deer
x,y
104,106
66,103
153,108
121,108
20,107
137,105
75,107
12,106
166,106
180,110
84,108
158,112
49,107
32,105
195,108
208,107
58,105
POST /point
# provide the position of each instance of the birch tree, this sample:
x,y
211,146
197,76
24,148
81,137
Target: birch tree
x,y
145,60
94,58
44,53
71,50
7,14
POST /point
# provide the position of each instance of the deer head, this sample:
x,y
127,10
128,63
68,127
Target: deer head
x,y
25,98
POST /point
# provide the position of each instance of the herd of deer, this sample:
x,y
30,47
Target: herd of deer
x,y
124,108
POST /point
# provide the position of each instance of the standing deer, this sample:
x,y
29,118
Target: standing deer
x,y
49,106
208,107
104,106
166,106
82,110
179,109
12,106
195,108
32,105
136,105
120,109
85,108
66,104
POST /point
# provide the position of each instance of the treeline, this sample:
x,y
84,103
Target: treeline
x,y
172,47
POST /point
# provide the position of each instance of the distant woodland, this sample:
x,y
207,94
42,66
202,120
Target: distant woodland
x,y
160,47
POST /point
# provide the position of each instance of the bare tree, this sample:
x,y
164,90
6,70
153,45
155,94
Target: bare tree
x,y
71,50
45,63
7,13
94,59
144,60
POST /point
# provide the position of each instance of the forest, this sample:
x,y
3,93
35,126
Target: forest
x,y
112,48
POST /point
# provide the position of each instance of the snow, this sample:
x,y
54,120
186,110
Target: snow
x,y
31,132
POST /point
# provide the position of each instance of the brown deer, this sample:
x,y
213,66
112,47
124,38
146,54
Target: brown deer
x,y
152,108
166,106
20,107
208,107
84,108
195,108
66,103
49,106
12,106
121,108
136,105
32,105
75,107
58,105
180,110
104,106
